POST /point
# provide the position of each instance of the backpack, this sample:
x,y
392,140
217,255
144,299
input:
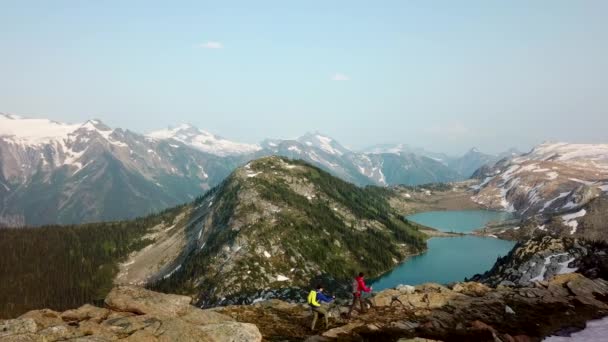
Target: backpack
x,y
355,286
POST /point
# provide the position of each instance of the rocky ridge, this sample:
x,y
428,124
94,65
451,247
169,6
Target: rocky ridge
x,y
541,258
462,311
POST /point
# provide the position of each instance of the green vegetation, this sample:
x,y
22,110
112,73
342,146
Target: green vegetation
x,y
344,230
61,267
313,230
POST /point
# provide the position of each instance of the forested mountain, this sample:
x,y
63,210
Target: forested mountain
x,y
272,224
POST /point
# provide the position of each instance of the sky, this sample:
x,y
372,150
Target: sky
x,y
443,75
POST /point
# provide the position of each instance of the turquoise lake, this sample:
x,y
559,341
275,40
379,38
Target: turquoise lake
x,y
459,221
449,259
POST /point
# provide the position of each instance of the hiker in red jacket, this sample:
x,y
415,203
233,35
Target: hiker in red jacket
x,y
358,285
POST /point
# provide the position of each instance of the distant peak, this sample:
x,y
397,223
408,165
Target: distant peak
x,y
95,125
203,140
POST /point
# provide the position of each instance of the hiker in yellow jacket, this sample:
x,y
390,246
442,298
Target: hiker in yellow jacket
x,y
315,298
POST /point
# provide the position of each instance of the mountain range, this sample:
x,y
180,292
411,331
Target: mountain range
x,y
53,172
274,224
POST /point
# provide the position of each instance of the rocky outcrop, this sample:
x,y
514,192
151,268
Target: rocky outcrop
x,y
542,258
132,314
429,312
467,311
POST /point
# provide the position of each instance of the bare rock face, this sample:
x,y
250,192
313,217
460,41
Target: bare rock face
x,y
133,314
86,312
141,301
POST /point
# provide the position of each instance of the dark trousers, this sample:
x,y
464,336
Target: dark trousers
x,y
356,298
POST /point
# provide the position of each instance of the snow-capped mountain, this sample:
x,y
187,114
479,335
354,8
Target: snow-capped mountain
x,y
324,143
204,141
53,172
67,173
360,167
464,165
554,180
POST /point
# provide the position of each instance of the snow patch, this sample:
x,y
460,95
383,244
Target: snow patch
x,y
595,331
549,202
570,219
203,141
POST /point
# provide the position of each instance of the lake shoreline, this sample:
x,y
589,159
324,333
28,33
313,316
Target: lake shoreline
x,y
444,261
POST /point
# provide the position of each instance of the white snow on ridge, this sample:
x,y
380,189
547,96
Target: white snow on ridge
x,y
203,141
597,153
563,270
34,131
322,142
570,219
549,202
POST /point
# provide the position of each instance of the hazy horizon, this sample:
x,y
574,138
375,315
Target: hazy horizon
x,y
443,76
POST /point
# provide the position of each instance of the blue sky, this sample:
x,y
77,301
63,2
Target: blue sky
x,y
445,75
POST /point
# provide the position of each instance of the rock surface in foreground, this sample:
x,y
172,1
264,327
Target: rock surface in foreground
x,y
133,314
468,311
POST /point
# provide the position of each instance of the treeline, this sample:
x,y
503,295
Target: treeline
x,y
61,267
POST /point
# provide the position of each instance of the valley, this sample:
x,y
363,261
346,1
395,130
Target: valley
x,y
274,226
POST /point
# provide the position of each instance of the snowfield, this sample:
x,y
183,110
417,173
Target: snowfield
x,y
203,140
595,331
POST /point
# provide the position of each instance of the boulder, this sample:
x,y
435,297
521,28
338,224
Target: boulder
x,y
44,318
201,317
23,338
17,326
427,300
59,333
141,301
343,330
173,329
125,326
86,312
91,328
231,332
471,289
432,288
408,289
385,298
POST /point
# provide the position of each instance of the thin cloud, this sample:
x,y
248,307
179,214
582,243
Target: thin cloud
x,y
340,77
212,45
